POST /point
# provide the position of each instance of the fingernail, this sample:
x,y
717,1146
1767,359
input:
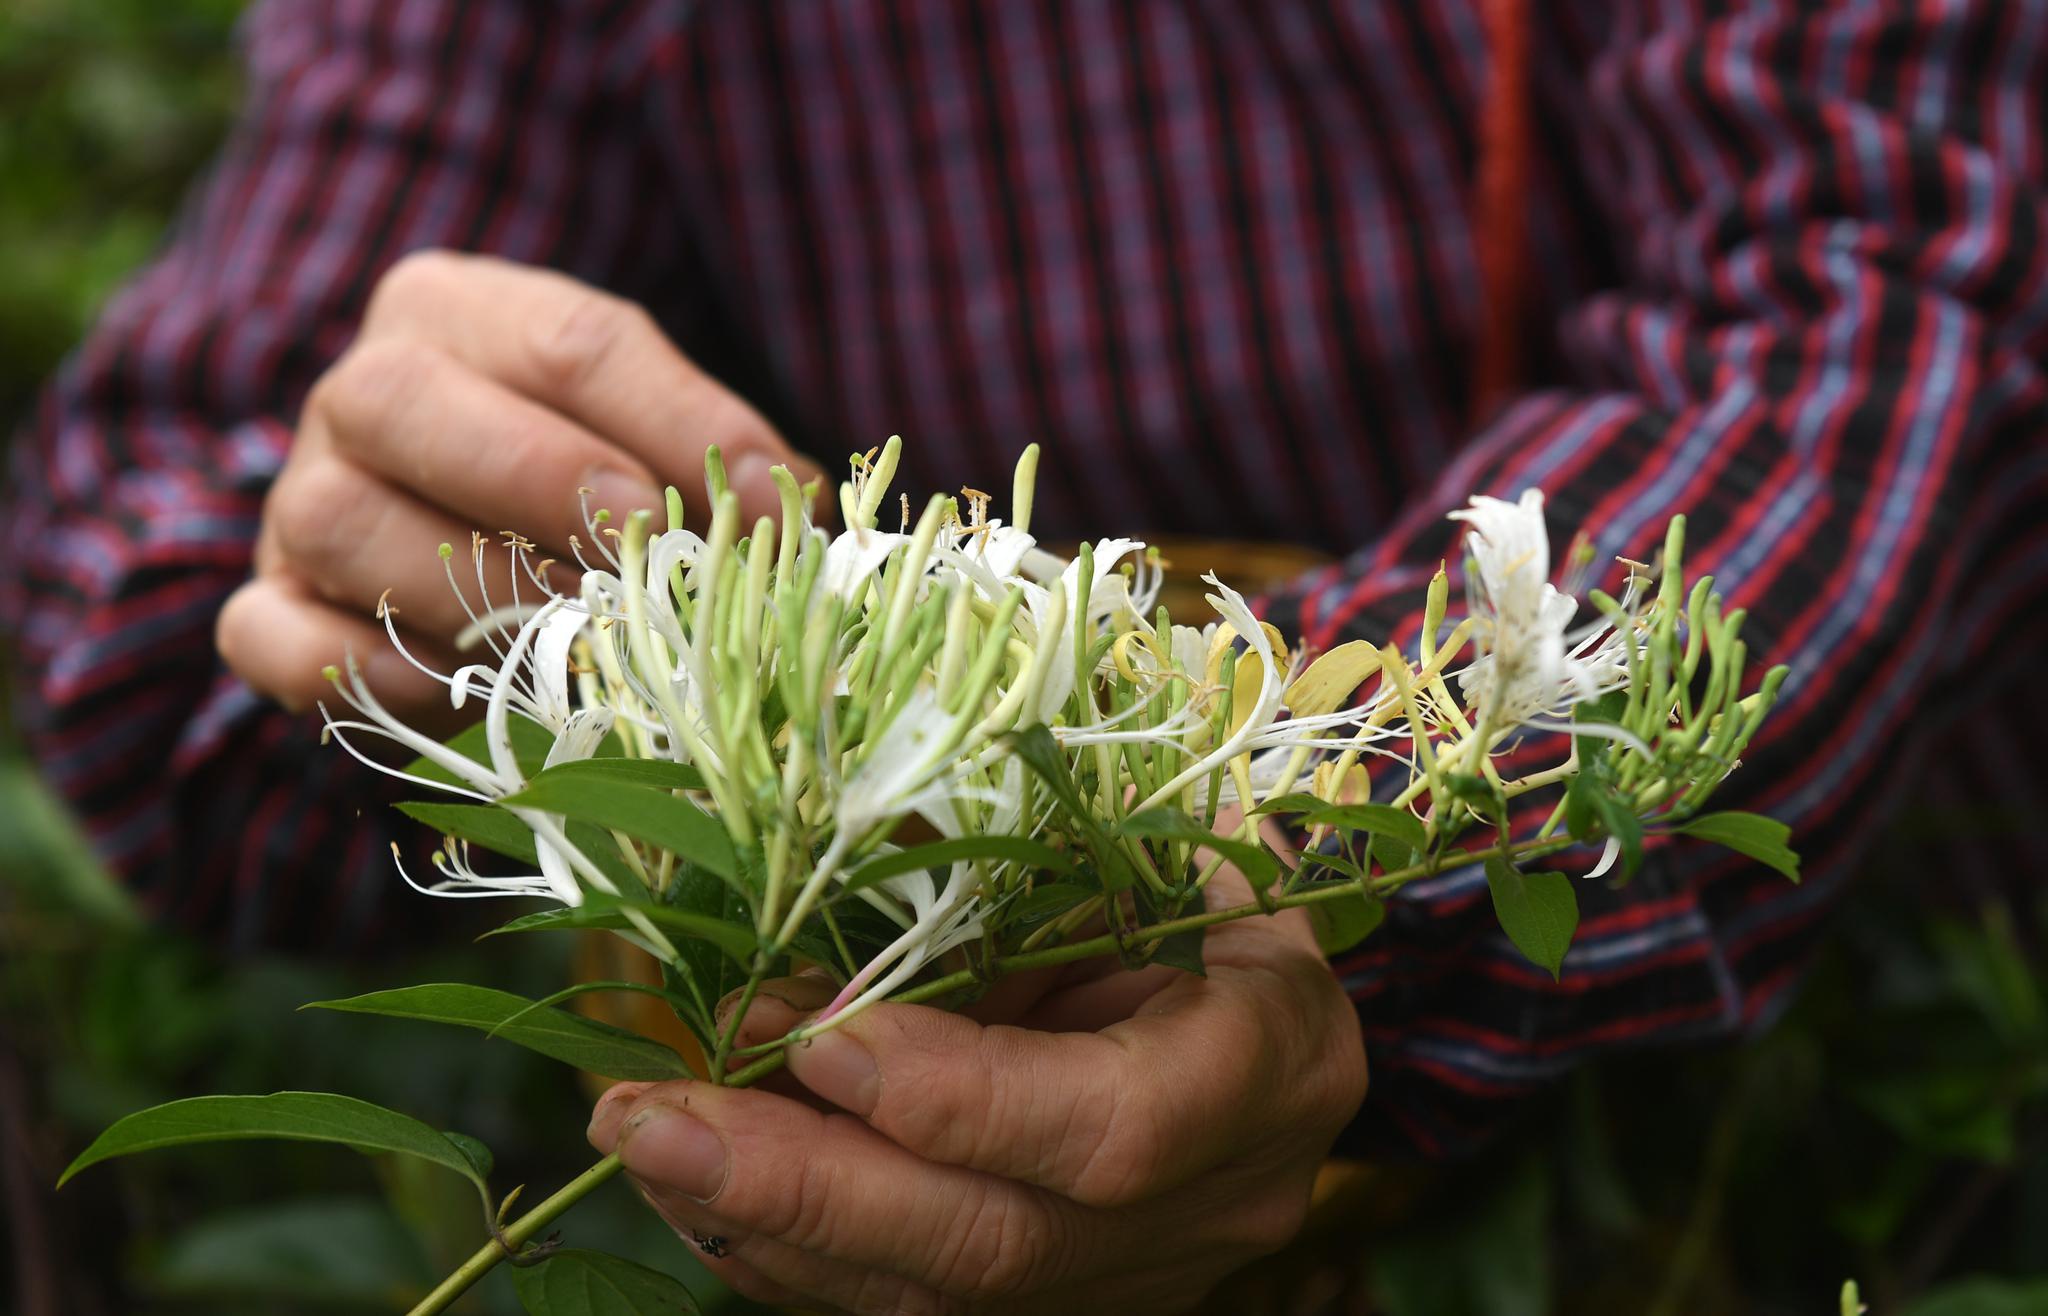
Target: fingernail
x,y
666,1146
838,1068
621,493
608,1104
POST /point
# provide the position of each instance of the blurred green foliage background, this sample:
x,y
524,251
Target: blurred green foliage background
x,y
1895,1128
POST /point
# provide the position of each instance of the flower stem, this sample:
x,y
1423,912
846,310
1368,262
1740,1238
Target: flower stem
x,y
517,1233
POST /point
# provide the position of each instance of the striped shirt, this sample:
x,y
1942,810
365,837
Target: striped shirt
x,y
1244,267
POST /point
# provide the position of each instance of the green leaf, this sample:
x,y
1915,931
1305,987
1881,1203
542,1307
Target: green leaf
x,y
591,1046
1344,921
1983,1296
645,813
473,1150
1594,811
352,1251
530,745
602,911
1478,793
1394,854
658,773
1538,911
584,1283
1580,817
1608,708
1047,900
1170,824
1042,754
1335,863
1296,803
942,854
479,824
1183,951
1622,824
1377,819
299,1116
1762,839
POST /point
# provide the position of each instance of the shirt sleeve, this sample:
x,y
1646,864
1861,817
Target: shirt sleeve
x,y
370,130
1827,354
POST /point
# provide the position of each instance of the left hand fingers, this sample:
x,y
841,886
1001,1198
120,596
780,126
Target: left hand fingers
x,y
824,1203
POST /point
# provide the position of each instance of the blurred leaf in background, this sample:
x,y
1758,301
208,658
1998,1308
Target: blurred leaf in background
x,y
107,109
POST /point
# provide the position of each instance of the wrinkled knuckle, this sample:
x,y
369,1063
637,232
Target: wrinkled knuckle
x,y
568,347
365,388
1121,1162
882,1294
417,282
314,509
805,1219
1011,1249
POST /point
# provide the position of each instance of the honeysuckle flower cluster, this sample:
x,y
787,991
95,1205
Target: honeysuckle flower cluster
x,y
924,752
926,736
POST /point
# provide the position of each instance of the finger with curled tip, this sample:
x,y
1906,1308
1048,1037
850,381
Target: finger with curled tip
x,y
278,636
367,546
496,460
828,1186
596,358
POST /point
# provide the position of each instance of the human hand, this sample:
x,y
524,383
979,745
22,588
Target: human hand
x,y
1124,1143
479,394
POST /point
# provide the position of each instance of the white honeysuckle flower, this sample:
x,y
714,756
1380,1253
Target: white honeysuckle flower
x,y
1528,669
944,920
906,770
854,558
1231,606
999,548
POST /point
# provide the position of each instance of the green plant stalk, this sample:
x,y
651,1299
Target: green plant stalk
x,y
1109,943
517,1234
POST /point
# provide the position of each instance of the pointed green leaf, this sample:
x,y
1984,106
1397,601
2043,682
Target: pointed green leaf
x,y
1046,900
1608,708
479,824
530,745
1762,839
1170,824
591,1046
1343,922
1183,951
600,911
1336,863
942,854
298,1116
1481,795
1377,819
584,1283
658,773
1394,854
645,813
1042,754
1538,911
1299,802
